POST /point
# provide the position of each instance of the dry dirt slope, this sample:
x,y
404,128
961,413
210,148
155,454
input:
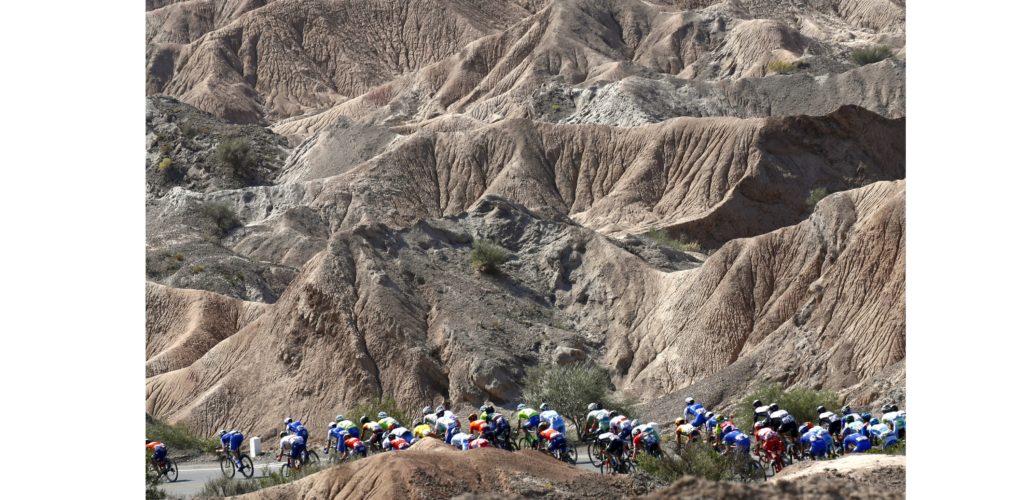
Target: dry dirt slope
x,y
400,313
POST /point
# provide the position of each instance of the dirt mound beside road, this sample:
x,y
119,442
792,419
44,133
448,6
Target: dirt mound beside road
x,y
433,470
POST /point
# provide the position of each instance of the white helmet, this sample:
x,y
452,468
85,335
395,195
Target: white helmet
x,y
222,432
636,430
544,407
333,425
689,401
382,415
592,407
426,410
439,409
520,406
634,423
339,418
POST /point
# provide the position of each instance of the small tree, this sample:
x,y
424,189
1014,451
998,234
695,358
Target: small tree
x,y
487,256
223,218
237,156
569,389
868,55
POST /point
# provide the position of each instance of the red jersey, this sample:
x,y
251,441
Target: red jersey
x,y
479,426
353,443
479,443
550,434
153,445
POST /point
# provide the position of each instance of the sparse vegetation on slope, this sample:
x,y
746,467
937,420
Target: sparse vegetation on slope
x,y
663,238
869,55
570,389
800,403
178,437
815,196
695,459
222,217
785,67
487,256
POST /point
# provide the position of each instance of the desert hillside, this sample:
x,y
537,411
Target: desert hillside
x,y
698,196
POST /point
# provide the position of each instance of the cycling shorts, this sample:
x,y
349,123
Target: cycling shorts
x,y
236,442
557,443
297,450
532,423
159,452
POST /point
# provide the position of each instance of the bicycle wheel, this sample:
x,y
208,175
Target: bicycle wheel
x,y
227,467
523,443
592,451
629,467
570,455
286,470
247,467
310,457
171,471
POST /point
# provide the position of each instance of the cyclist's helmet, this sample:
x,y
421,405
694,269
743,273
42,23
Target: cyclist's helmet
x,y
364,419
236,431
820,409
221,433
893,407
333,425
544,407
382,415
439,414
426,410
439,409
874,421
758,425
773,407
847,410
490,409
417,423
592,407
634,423
636,431
288,421
544,426
472,417
282,434
710,415
757,404
520,406
149,441
804,428
679,421
849,418
866,416
688,400
483,408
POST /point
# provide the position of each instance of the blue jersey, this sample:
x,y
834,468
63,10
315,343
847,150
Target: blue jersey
x,y
232,440
710,425
555,419
738,439
859,442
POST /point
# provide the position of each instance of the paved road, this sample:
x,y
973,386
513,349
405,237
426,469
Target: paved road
x,y
193,476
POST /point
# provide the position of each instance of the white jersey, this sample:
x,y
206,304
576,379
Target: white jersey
x,y
461,440
289,440
400,431
778,415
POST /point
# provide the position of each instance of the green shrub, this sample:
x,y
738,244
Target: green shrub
x,y
782,67
165,164
164,147
899,449
152,480
695,459
570,388
868,55
815,196
371,408
556,107
196,269
178,437
801,403
236,156
663,238
223,487
223,218
487,256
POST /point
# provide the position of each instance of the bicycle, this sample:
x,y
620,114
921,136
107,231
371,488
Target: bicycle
x,y
615,465
228,466
770,461
744,466
566,454
291,467
592,446
169,469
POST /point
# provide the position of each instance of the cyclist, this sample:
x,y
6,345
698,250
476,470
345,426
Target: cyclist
x,y
613,444
847,411
429,416
421,430
353,446
881,433
388,423
857,442
597,419
815,440
761,411
685,430
852,425
830,421
647,435
896,419
159,453
710,425
724,428
372,432
347,426
695,410
527,419
481,428
620,424
447,426
502,428
393,442
556,440
546,413
403,433
232,442
294,444
296,427
736,439
461,440
768,439
337,436
447,413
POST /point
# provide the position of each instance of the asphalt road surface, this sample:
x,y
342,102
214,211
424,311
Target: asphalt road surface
x,y
193,476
